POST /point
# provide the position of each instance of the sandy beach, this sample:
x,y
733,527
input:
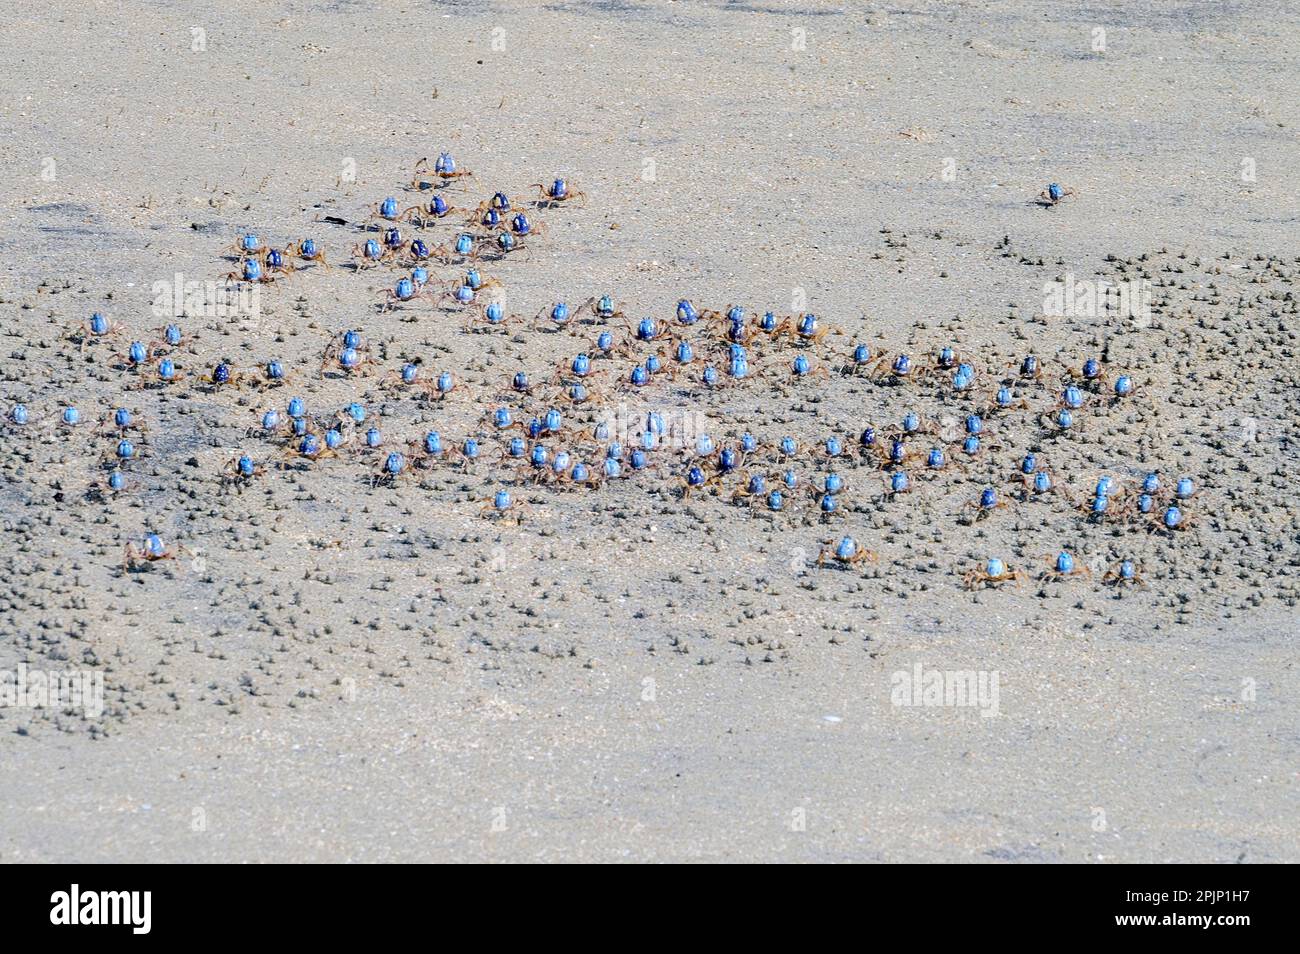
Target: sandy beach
x,y
336,664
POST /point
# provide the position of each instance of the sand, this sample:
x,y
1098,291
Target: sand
x,y
336,671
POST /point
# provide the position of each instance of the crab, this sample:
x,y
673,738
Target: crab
x,y
1124,573
846,553
372,252
149,550
800,369
97,326
898,369
157,374
557,192
502,507
808,329
239,472
753,489
1054,193
603,308
1063,568
993,573
983,505
424,215
483,317
444,169
250,271
307,250
391,469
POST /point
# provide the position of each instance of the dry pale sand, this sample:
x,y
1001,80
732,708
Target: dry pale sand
x,y
338,672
